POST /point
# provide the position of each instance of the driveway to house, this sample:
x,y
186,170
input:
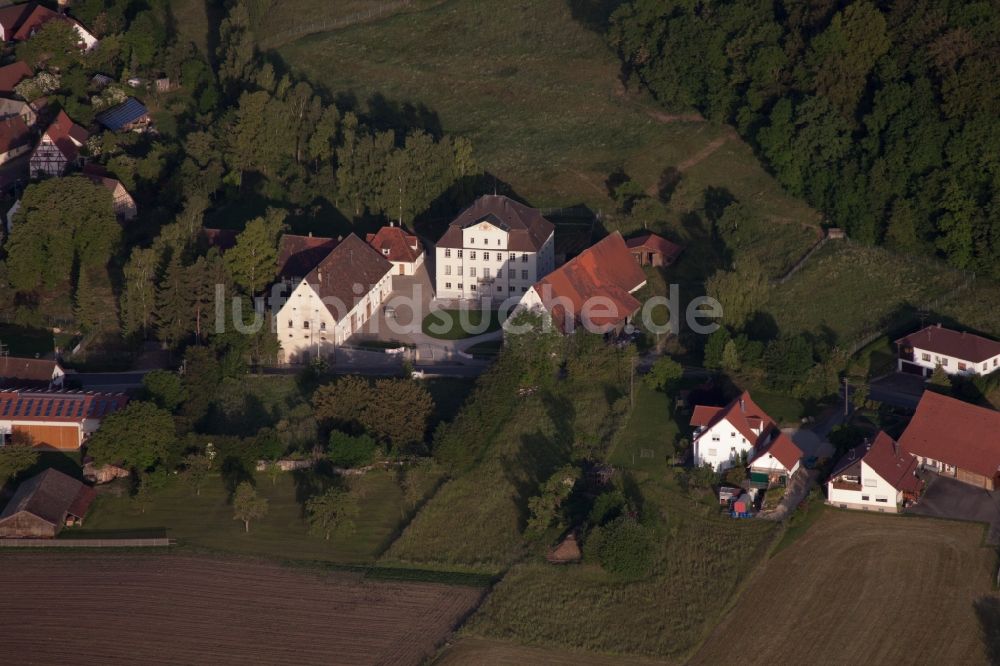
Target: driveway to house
x,y
813,442
898,389
949,498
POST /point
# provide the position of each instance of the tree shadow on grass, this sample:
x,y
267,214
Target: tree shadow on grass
x,y
988,613
315,481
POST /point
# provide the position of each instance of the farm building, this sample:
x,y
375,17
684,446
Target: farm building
x,y
44,504
955,439
299,255
333,301
874,476
957,352
723,435
128,116
13,17
39,16
404,251
18,108
595,289
60,420
30,373
650,249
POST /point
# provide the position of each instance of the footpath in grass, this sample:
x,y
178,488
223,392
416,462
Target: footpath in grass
x,y
648,438
206,520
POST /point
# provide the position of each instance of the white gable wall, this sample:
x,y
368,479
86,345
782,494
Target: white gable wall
x,y
720,446
876,494
952,365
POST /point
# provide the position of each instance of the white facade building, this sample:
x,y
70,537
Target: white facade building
x,y
723,436
333,302
957,352
404,251
874,477
495,248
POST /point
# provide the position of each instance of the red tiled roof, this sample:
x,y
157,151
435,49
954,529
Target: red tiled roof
x,y
81,503
66,135
28,369
654,243
346,274
893,463
781,447
298,255
606,271
527,229
13,134
62,406
956,433
958,344
742,413
12,74
38,17
12,16
395,244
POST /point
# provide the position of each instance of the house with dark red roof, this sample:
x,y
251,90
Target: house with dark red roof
x,y
12,74
650,249
15,138
724,435
877,475
39,16
594,289
496,248
12,17
44,504
61,420
955,438
404,251
334,301
16,372
957,352
299,255
58,148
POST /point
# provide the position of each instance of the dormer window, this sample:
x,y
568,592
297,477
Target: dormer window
x,y
385,251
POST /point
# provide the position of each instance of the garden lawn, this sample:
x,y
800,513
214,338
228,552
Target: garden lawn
x,y
704,559
24,341
206,521
459,324
647,441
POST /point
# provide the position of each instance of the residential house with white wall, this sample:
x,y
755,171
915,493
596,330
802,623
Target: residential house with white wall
x,y
957,352
874,476
58,148
403,250
334,301
496,248
724,435
594,289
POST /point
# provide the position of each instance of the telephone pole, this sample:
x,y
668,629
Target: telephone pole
x,y
846,397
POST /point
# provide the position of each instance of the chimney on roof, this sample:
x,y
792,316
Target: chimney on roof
x,y
868,444
319,274
310,234
743,405
939,325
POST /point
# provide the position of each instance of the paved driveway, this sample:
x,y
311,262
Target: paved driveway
x,y
948,498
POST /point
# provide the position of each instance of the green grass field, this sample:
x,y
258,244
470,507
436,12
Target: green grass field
x,y
703,560
206,521
459,324
542,104
646,442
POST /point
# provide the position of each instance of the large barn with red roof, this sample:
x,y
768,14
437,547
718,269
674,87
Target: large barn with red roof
x,y
956,439
594,290
60,420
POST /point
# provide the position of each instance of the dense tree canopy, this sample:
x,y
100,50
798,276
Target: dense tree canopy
x,y
883,115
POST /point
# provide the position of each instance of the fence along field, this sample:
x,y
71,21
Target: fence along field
x,y
865,589
167,609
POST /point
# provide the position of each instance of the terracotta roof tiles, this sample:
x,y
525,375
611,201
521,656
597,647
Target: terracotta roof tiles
x,y
957,344
346,274
956,433
299,255
395,244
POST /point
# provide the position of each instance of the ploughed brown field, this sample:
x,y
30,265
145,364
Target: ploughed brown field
x,y
171,609
859,588
487,652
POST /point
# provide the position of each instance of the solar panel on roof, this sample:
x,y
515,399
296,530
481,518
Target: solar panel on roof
x,y
125,113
